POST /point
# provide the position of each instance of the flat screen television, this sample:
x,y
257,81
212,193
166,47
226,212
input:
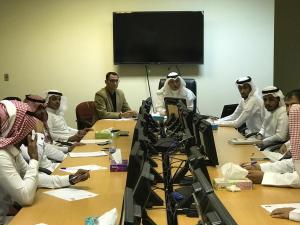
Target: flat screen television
x,y
158,37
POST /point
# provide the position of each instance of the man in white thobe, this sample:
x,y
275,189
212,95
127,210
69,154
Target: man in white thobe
x,y
250,109
175,87
275,126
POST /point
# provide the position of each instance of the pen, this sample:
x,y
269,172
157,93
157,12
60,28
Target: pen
x,y
253,162
78,176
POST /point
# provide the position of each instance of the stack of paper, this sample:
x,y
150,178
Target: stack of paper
x,y
87,154
86,167
96,141
70,194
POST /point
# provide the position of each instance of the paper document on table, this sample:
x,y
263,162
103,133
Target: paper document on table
x,y
273,156
271,207
70,194
86,167
87,154
95,141
124,119
243,141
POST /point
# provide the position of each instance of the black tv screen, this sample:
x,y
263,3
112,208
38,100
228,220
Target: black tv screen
x,y
169,37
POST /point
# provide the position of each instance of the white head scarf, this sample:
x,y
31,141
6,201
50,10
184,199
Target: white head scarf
x,y
63,101
275,92
248,80
166,88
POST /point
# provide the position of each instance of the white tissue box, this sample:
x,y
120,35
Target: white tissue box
x,y
243,184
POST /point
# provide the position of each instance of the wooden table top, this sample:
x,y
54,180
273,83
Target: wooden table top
x,y
244,206
108,185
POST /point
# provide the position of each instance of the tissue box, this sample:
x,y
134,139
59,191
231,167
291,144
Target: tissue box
x,y
103,134
221,183
114,167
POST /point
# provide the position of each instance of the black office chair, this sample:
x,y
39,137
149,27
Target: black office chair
x,y
228,110
190,84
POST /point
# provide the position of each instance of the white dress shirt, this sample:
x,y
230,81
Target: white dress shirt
x,y
295,215
58,127
54,152
18,179
249,111
280,173
275,126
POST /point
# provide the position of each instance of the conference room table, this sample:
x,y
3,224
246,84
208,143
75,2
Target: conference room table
x,y
245,206
108,185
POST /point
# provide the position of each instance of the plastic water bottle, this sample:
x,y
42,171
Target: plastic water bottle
x,y
113,145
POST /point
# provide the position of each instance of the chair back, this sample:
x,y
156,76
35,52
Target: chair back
x,y
84,114
190,84
228,110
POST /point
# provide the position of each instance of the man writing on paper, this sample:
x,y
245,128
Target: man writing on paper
x,y
18,179
174,86
110,102
250,109
275,126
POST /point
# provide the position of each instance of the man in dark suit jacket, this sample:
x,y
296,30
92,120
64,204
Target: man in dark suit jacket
x,y
110,102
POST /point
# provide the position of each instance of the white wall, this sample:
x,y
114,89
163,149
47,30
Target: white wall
x,y
67,45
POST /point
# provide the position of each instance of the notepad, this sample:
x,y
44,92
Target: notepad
x,y
70,194
74,169
87,154
96,141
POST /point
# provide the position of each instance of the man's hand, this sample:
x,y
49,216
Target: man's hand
x,y
250,166
256,176
74,145
283,149
32,147
213,118
79,176
281,212
128,114
88,129
259,136
75,138
259,144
